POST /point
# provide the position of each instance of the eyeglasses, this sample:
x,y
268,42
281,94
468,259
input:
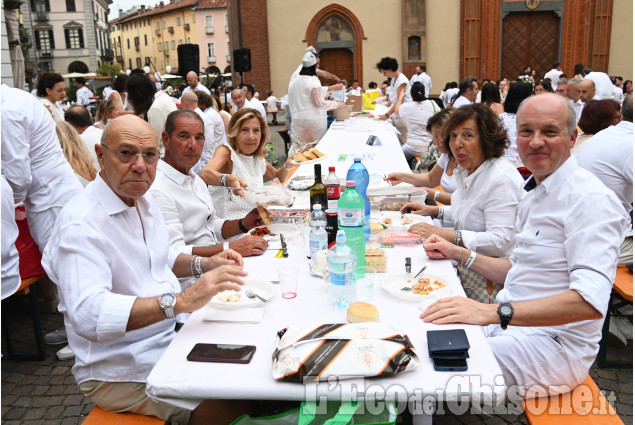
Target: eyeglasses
x,y
128,157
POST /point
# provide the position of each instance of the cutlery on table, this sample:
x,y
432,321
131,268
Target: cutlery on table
x,y
409,288
252,294
285,253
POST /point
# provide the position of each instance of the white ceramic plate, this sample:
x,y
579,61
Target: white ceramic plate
x,y
261,287
311,161
394,282
289,231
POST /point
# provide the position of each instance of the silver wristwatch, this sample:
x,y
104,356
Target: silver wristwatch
x,y
167,303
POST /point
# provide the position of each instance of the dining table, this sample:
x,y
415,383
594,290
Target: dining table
x,y
184,383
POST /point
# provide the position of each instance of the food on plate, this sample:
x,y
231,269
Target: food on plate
x,y
387,221
405,219
298,157
316,152
375,227
362,312
376,258
289,213
261,231
425,286
264,215
307,155
228,297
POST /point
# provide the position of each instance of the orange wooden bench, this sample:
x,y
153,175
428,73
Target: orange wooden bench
x,y
622,290
584,405
99,416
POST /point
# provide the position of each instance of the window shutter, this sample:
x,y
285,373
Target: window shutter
x,y
37,40
81,37
67,36
47,5
52,39
33,5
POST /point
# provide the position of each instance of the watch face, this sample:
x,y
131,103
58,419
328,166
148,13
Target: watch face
x,y
505,310
168,299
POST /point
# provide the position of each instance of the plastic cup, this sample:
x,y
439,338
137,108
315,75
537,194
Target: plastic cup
x,y
288,277
365,282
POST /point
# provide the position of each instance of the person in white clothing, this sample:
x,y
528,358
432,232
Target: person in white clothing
x,y
272,106
79,118
83,93
586,90
545,329
193,84
355,89
117,277
308,107
398,92
609,156
206,104
108,89
252,101
468,91
51,91
421,76
184,200
416,114
189,101
450,94
241,102
603,85
10,259
554,74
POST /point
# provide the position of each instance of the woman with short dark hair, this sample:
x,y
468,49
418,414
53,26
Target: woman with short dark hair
x,y
517,93
491,96
398,92
483,207
120,96
51,89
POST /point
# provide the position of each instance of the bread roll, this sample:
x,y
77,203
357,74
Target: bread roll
x,y
317,153
309,154
298,157
362,312
264,214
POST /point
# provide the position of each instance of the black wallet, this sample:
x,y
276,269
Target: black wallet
x,y
451,344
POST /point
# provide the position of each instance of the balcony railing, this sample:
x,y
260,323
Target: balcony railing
x,y
209,30
108,55
211,59
226,28
186,27
171,30
158,32
41,16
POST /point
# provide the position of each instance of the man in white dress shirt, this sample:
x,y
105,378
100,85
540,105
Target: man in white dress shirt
x,y
603,84
252,101
355,90
468,91
554,74
193,84
83,93
240,100
559,277
421,76
185,202
110,257
189,101
79,118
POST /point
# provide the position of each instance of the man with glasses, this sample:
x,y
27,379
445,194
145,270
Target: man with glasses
x,y
119,293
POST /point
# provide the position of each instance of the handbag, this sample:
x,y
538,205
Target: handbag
x,y
476,286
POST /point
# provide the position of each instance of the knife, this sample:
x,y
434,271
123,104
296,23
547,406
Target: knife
x,y
285,254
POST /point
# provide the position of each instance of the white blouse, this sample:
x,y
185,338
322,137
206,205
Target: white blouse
x,y
448,183
484,206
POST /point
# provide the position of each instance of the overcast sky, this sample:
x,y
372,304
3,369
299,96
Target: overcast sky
x,y
127,4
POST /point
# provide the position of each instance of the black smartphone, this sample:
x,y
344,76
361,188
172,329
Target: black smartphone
x,y
222,353
454,365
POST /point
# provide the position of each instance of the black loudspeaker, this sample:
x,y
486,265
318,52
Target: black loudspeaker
x,y
188,59
242,60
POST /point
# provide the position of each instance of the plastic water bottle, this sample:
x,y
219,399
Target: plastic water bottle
x,y
318,238
351,221
359,173
341,260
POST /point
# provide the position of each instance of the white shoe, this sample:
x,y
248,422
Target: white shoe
x,y
56,337
615,337
65,353
624,325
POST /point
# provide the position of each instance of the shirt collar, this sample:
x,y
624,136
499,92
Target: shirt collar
x,y
172,173
469,180
555,178
109,199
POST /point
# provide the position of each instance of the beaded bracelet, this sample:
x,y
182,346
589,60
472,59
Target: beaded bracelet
x,y
470,260
457,237
197,264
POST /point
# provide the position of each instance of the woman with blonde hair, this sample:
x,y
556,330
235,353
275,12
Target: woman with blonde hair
x,y
240,163
75,152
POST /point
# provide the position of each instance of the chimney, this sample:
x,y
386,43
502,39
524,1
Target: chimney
x,y
143,8
161,3
120,12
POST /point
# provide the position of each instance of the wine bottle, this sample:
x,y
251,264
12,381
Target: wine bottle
x,y
318,190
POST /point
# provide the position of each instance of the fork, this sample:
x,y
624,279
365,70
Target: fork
x,y
252,294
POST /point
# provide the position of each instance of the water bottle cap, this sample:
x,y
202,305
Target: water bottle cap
x,y
317,207
357,158
350,183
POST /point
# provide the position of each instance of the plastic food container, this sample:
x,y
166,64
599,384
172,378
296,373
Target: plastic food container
x,y
395,202
268,195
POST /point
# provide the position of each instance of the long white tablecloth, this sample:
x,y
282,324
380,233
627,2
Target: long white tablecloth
x,y
183,383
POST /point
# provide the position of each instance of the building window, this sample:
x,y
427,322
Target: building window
x,y
137,44
130,63
74,38
208,21
166,46
164,23
145,39
187,40
226,23
211,52
138,62
173,45
158,25
160,46
70,5
180,41
229,51
40,6
128,41
44,41
178,21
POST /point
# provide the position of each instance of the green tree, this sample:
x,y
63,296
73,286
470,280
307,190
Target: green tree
x,y
108,70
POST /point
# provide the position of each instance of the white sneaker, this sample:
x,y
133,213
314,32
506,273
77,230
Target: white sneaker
x,y
615,337
65,353
624,325
56,337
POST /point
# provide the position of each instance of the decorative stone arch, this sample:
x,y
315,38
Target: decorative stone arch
x,y
78,66
355,25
